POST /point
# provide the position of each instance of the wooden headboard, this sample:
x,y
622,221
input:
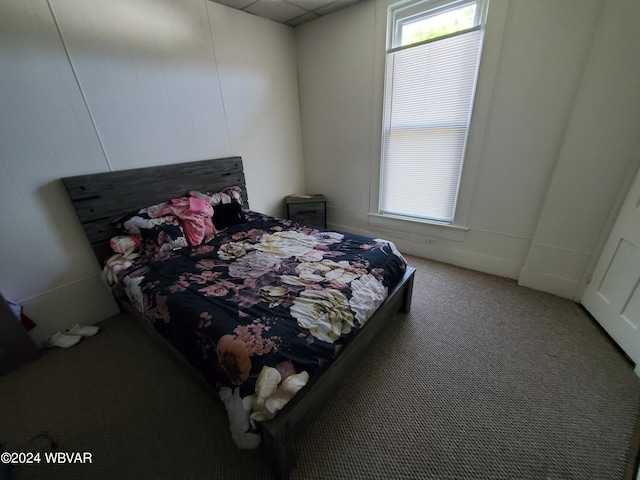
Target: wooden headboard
x,y
101,198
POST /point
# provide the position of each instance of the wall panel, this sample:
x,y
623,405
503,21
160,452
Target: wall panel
x,y
148,72
45,133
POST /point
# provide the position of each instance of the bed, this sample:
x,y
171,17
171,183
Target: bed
x,y
247,287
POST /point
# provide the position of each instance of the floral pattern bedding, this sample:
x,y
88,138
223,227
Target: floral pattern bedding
x,y
262,306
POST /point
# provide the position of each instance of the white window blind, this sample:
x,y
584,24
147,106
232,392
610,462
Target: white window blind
x,y
429,91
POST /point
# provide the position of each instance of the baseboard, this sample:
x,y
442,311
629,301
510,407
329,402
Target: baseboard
x,y
545,282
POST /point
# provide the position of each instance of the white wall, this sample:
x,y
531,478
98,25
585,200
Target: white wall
x,y
98,85
258,75
535,59
597,160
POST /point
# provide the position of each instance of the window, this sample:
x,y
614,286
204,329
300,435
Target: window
x,y
433,54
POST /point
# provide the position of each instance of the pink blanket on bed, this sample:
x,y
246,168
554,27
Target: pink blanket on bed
x,y
196,216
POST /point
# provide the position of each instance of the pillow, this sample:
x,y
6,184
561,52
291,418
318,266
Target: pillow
x,y
124,244
159,236
224,196
227,215
227,206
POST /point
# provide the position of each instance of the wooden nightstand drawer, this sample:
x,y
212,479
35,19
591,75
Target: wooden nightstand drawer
x,y
311,208
308,211
312,220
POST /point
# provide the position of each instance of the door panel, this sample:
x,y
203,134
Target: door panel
x,y
622,274
613,295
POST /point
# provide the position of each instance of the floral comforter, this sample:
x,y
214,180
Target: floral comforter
x,y
262,306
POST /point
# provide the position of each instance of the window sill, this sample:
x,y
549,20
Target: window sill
x,y
418,229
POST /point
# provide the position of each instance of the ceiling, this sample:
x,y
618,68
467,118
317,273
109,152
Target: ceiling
x,y
289,12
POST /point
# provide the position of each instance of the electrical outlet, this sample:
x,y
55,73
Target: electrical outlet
x,y
416,237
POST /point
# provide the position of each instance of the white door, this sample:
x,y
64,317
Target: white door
x,y
613,295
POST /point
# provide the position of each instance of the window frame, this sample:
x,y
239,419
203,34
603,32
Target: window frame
x,y
400,14
409,11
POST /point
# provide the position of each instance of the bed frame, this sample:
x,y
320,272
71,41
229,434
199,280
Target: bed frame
x,y
101,198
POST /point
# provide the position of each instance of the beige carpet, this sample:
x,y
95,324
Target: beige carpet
x,y
482,380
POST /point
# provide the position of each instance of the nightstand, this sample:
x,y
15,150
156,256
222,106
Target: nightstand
x,y
310,211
